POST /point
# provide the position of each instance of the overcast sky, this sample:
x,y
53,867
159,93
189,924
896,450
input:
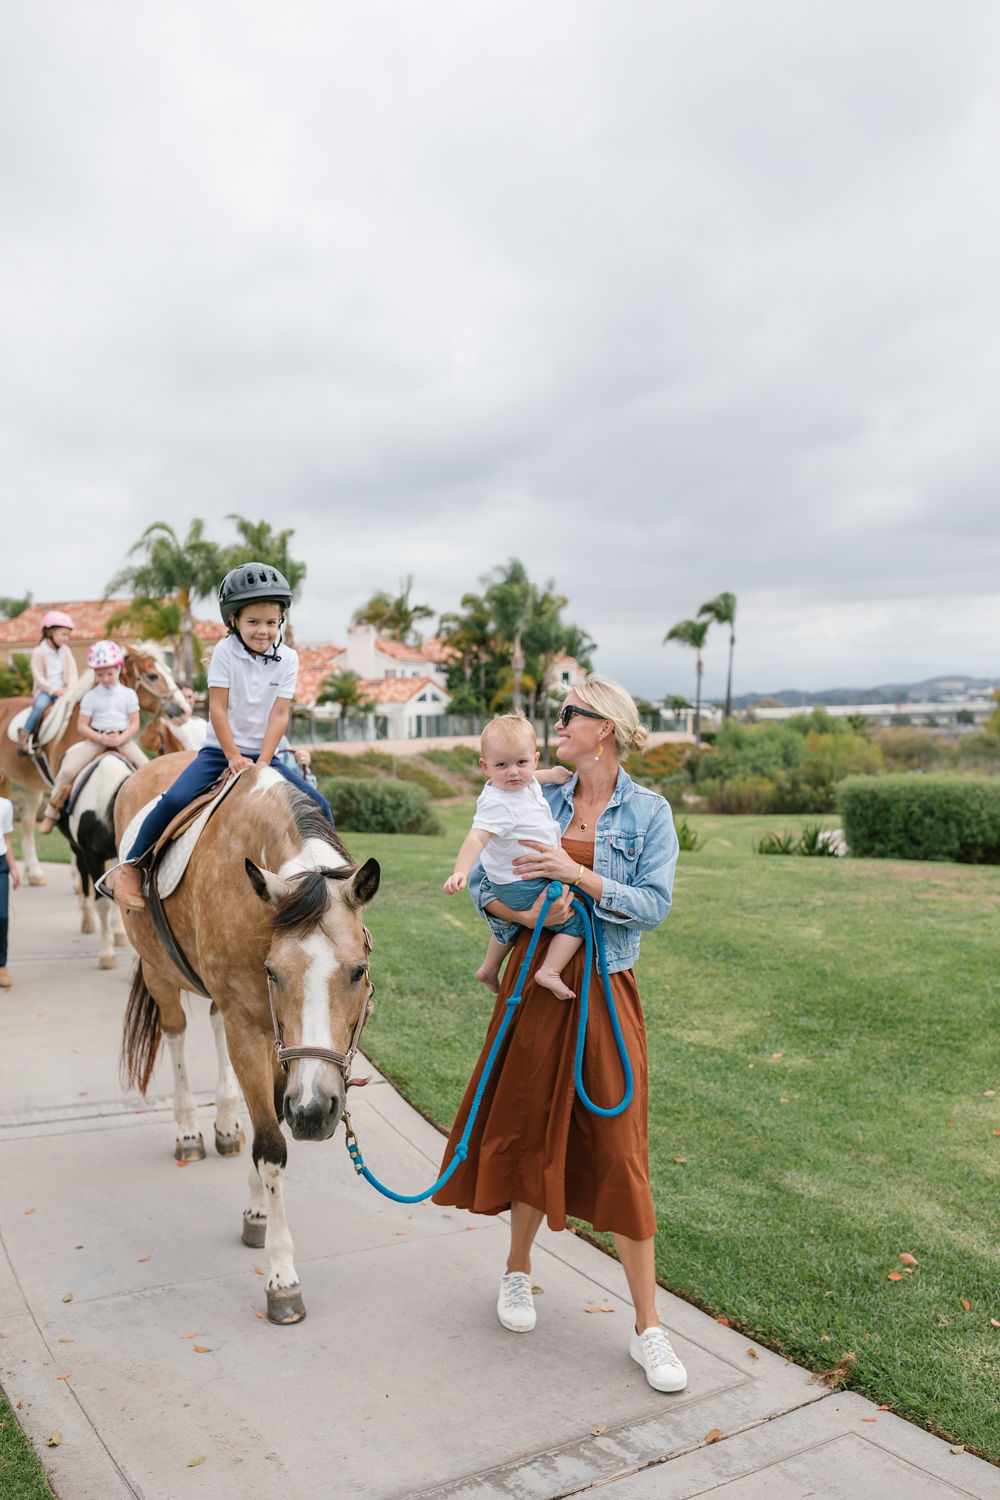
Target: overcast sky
x,y
663,297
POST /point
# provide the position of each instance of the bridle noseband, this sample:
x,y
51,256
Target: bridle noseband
x,y
342,1060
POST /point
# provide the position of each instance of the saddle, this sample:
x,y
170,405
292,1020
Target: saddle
x,y
55,718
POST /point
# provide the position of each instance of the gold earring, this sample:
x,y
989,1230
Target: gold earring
x,y
600,751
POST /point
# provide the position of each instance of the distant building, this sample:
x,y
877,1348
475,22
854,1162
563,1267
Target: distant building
x,y
90,623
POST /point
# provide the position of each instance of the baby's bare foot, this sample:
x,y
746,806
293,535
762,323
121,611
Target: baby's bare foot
x,y
489,977
550,979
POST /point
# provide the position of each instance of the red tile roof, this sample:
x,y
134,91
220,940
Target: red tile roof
x,y
89,616
315,665
397,689
399,650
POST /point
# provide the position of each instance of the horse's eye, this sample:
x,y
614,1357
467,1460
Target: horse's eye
x,y
272,976
154,676
360,970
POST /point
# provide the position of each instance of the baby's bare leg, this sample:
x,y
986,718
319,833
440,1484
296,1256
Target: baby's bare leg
x,y
560,951
489,971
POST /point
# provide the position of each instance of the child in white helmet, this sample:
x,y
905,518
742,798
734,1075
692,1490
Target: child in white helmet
x,y
53,671
108,720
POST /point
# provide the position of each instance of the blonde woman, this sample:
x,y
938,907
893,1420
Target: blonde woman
x,y
535,1150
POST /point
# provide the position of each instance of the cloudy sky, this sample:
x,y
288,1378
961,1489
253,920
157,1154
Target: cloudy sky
x,y
663,297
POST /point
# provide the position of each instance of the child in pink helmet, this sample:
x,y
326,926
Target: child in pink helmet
x,y
109,720
53,671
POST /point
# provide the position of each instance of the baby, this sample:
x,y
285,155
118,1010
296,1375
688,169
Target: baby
x,y
511,808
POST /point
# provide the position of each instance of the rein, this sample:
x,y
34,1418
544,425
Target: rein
x,y
591,931
342,1060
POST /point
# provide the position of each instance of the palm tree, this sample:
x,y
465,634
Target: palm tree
x,y
258,543
692,633
173,569
511,597
344,688
394,617
470,634
154,620
722,609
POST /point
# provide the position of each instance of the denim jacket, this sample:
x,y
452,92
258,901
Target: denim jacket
x,y
635,853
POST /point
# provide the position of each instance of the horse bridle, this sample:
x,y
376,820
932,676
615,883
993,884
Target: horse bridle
x,y
342,1060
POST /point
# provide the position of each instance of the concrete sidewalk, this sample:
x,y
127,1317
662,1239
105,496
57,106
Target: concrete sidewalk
x,y
400,1382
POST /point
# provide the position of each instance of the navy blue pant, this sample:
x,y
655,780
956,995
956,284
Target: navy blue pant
x,y
204,771
4,908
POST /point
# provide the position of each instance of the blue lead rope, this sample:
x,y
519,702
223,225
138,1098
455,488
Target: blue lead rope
x,y
591,926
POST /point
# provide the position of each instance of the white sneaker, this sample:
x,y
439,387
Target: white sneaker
x,y
515,1307
651,1349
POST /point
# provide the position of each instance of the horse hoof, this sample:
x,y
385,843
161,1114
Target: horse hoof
x,y
254,1233
36,879
285,1306
191,1148
229,1145
107,961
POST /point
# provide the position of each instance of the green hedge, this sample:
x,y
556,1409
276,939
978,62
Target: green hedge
x,y
377,805
922,817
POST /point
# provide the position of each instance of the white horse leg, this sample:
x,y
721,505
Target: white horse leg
x,y
284,1290
255,1216
229,1140
106,951
189,1144
32,868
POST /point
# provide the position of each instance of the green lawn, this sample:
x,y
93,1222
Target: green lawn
x,y
823,1044
824,1040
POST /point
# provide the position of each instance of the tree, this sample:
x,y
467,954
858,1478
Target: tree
x,y
344,688
11,608
692,633
394,617
155,620
471,635
258,543
511,596
15,675
722,610
173,569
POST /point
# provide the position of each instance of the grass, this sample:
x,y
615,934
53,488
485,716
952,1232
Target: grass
x,y
823,1051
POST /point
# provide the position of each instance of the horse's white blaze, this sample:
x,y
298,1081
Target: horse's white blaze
x,y
315,854
323,963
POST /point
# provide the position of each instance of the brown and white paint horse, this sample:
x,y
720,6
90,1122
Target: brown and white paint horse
x,y
269,901
144,670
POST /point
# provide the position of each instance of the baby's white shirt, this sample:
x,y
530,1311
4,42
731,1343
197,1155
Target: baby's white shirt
x,y
511,817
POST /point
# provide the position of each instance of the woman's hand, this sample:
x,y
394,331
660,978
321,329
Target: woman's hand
x,y
559,912
546,863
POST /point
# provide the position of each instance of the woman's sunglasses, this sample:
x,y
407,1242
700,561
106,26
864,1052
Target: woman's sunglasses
x,y
568,710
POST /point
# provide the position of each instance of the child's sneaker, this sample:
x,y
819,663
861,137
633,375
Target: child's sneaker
x,y
515,1307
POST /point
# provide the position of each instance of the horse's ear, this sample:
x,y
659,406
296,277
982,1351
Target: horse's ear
x,y
270,888
364,884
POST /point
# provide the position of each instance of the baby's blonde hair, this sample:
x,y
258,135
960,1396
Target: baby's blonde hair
x,y
617,704
506,727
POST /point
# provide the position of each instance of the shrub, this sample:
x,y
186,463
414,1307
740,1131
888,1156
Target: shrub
x,y
776,843
922,817
751,794
333,763
687,838
374,804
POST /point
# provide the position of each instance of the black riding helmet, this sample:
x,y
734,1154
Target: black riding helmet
x,y
252,580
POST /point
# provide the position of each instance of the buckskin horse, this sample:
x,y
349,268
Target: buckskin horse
x,y
144,670
267,922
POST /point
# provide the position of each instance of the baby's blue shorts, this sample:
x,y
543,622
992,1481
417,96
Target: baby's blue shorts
x,y
521,894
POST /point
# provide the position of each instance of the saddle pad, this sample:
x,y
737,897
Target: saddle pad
x,y
173,861
58,716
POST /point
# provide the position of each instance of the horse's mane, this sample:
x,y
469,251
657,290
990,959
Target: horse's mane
x,y
309,897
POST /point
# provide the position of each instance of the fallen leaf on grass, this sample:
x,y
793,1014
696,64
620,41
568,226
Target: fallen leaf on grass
x,y
966,1305
202,1348
883,1408
776,1055
602,1308
194,1462
995,1323
713,1435
54,1440
596,1431
895,1275
837,1374
723,1321
990,1094
782,1101
908,1259
680,1158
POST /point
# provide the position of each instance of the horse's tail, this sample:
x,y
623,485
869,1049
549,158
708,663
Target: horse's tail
x,y
141,1035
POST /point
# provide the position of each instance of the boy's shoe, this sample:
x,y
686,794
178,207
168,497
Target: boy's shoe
x,y
651,1349
4,978
126,887
515,1307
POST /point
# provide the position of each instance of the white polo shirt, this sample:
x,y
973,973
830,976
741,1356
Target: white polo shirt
x,y
254,685
109,708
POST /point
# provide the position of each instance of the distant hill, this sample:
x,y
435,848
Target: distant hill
x,y
931,689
